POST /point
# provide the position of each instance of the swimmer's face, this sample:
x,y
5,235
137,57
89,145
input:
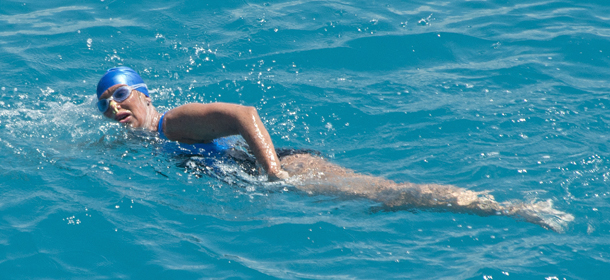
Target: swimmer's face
x,y
132,111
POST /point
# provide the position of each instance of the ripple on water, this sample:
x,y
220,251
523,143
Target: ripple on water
x,y
485,95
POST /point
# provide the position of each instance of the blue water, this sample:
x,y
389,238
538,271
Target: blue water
x,y
506,96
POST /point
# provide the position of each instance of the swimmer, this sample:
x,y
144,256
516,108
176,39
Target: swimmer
x,y
123,96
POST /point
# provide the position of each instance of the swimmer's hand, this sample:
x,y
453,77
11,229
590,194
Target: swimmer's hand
x,y
278,176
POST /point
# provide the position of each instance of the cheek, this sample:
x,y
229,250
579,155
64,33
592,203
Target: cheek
x,y
138,109
139,112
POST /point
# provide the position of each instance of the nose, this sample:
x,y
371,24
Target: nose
x,y
114,106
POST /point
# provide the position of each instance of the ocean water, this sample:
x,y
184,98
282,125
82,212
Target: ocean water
x,y
506,96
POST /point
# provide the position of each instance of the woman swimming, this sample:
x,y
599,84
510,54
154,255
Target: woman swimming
x,y
123,96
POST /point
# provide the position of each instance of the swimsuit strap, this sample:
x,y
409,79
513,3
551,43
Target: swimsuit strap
x,y
160,127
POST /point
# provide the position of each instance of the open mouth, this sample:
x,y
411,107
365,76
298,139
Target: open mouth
x,y
122,117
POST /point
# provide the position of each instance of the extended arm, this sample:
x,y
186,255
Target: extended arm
x,y
201,123
315,175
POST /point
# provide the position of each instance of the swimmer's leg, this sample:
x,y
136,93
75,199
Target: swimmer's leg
x,y
315,175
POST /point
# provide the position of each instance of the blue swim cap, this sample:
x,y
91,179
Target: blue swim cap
x,y
120,75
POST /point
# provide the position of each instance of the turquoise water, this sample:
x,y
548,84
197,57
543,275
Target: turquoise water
x,y
506,96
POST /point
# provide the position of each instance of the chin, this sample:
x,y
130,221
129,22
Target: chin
x,y
137,124
129,124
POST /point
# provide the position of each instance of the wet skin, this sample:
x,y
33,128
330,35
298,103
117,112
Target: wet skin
x,y
315,175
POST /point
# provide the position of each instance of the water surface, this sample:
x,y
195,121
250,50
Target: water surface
x,y
506,96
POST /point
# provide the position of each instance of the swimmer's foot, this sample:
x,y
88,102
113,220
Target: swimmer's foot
x,y
542,213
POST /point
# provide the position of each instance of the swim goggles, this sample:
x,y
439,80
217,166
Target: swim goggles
x,y
119,95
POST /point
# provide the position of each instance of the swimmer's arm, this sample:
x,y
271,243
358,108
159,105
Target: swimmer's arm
x,y
200,123
315,175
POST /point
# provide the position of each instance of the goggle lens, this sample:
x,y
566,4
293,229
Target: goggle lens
x,y
120,94
103,105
